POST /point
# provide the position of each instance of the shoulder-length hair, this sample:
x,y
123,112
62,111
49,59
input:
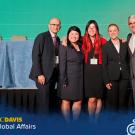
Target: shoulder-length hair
x,y
74,28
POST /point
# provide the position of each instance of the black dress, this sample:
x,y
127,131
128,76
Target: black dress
x,y
71,73
93,82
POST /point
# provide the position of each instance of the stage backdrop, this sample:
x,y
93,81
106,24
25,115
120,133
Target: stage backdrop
x,y
29,17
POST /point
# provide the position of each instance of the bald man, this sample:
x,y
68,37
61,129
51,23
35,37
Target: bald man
x,y
44,69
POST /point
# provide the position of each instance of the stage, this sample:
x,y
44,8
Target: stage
x,y
24,99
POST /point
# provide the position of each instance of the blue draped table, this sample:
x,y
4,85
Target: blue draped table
x,y
15,64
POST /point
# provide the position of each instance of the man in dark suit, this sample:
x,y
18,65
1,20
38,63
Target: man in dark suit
x,y
44,69
131,44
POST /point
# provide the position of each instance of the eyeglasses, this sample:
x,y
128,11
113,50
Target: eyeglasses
x,y
131,23
58,25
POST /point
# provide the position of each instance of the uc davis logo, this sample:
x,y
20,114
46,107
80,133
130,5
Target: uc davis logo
x,y
131,128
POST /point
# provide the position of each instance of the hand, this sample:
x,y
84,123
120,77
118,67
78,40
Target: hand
x,y
109,86
123,40
64,41
64,86
41,79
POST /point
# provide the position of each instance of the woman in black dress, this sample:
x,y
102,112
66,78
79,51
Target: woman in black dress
x,y
92,43
71,73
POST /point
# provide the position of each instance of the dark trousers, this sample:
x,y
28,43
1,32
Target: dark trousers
x,y
46,99
42,98
133,87
54,86
117,98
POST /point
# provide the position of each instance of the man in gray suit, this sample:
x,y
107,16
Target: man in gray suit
x,y
131,43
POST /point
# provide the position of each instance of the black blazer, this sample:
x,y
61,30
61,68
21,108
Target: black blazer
x,y
71,64
128,37
113,61
43,56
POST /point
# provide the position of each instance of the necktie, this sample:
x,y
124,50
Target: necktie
x,y
55,41
55,45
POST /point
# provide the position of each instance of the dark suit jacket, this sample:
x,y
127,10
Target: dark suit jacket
x,y
43,56
128,37
112,61
71,64
132,58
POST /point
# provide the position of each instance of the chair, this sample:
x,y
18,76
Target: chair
x,y
18,38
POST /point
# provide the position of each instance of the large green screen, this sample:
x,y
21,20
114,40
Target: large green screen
x,y
29,17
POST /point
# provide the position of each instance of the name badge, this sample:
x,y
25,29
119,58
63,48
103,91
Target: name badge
x,y
56,59
94,61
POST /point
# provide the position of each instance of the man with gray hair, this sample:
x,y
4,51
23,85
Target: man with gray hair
x,y
131,43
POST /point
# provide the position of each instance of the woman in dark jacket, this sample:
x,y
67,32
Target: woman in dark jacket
x,y
116,70
71,73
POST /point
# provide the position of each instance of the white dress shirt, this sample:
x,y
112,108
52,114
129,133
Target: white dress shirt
x,y
132,43
52,34
117,46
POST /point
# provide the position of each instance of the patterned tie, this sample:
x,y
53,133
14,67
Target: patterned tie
x,y
55,45
54,40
